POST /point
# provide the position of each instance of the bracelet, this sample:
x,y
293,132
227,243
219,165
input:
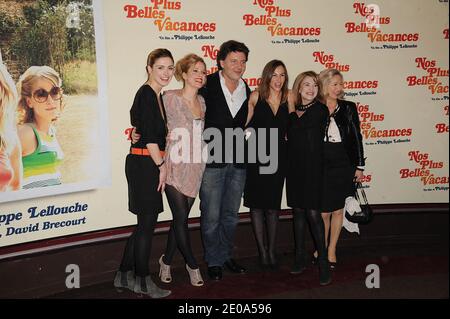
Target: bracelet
x,y
161,164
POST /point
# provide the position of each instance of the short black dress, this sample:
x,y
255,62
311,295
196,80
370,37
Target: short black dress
x,y
264,191
305,157
141,171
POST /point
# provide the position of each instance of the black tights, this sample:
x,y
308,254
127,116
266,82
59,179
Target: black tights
x,y
138,247
180,205
269,217
317,229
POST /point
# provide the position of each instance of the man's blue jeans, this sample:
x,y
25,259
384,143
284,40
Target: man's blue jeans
x,y
220,199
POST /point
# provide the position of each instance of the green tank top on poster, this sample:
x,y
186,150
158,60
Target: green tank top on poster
x,y
41,168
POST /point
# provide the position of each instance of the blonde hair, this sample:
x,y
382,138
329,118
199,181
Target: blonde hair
x,y
298,83
325,78
185,63
8,106
25,85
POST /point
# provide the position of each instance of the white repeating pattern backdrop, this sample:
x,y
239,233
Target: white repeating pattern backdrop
x,y
393,55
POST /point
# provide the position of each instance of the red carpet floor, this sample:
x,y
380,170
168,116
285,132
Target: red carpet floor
x,y
407,270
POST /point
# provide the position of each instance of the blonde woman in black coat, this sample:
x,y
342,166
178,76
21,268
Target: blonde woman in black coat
x,y
343,156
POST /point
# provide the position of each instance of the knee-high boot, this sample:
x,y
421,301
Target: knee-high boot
x,y
318,232
299,236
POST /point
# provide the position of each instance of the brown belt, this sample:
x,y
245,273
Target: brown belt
x,y
143,152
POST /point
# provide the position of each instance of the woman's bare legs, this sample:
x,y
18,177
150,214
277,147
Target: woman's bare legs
x,y
335,231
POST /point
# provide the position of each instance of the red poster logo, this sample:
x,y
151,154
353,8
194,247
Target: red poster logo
x,y
424,170
432,77
158,12
271,18
372,24
369,121
328,61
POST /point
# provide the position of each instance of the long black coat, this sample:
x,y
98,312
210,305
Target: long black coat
x,y
305,157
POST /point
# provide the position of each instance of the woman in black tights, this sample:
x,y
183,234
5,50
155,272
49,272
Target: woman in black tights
x,y
185,166
267,117
185,119
146,174
307,122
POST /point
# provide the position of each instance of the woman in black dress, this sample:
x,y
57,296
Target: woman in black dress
x,y
146,173
343,156
307,121
267,118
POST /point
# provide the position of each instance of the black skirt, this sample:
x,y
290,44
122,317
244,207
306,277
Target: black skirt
x,y
264,191
143,179
338,177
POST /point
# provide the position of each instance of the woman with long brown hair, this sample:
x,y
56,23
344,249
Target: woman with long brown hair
x,y
146,171
268,115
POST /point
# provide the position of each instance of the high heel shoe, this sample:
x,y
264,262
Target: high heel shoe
x,y
146,286
124,279
164,271
195,276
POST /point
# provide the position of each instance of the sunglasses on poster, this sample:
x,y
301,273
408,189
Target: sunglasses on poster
x,y
41,95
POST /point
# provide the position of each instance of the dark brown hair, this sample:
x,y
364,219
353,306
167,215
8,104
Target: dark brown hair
x,y
264,87
228,47
156,54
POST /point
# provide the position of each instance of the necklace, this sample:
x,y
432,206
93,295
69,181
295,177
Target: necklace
x,y
303,108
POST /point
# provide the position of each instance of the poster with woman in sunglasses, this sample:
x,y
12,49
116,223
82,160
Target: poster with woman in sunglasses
x,y
55,56
40,103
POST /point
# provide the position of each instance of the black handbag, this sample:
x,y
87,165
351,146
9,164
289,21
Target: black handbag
x,y
365,216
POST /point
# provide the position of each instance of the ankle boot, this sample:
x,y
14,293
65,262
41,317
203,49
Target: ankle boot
x,y
146,286
164,271
299,264
324,272
195,276
124,279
